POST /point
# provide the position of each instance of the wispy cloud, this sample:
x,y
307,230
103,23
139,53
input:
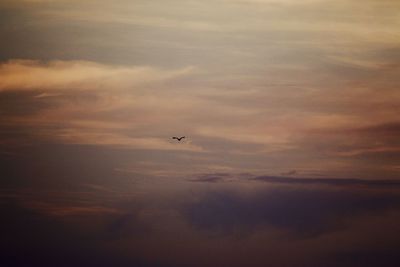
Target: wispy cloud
x,y
327,181
261,85
78,75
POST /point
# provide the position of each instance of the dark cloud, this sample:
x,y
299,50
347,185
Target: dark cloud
x,y
211,177
327,181
30,238
75,187
392,128
387,257
127,226
220,177
303,212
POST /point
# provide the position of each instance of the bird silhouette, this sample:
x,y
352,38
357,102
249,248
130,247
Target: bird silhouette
x,y
178,138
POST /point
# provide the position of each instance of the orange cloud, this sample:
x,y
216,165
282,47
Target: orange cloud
x,y
72,75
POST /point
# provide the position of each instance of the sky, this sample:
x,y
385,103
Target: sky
x,y
290,111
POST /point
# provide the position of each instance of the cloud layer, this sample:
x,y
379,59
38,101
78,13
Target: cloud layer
x,y
290,111
275,126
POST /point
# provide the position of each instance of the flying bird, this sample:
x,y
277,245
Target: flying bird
x,y
178,138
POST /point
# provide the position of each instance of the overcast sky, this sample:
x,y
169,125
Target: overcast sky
x,y
262,86
92,91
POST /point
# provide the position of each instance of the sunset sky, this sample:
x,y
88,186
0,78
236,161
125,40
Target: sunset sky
x,y
290,110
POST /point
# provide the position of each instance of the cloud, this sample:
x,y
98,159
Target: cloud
x,y
211,178
123,141
69,193
302,212
78,91
260,130
327,181
48,241
78,75
305,89
390,128
73,210
292,172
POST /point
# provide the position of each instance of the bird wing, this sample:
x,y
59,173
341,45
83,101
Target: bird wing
x,y
178,138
